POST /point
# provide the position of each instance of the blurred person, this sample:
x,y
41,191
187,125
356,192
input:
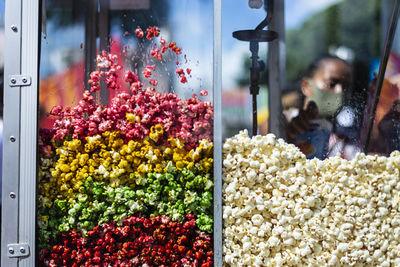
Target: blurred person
x,y
316,130
292,102
389,129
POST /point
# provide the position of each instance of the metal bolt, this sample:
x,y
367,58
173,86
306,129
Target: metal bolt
x,y
14,28
12,139
22,250
11,250
12,195
24,80
13,80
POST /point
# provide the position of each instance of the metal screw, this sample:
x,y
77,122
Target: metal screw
x,y
11,250
12,195
13,81
14,28
12,139
22,250
24,80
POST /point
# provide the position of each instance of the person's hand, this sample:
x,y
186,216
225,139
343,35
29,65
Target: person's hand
x,y
301,123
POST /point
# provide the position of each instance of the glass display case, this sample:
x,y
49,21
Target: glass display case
x,y
323,191
115,165
201,133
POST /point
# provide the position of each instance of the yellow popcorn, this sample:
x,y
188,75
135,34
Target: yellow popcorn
x,y
106,157
132,118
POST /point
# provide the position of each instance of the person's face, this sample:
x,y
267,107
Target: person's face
x,y
333,75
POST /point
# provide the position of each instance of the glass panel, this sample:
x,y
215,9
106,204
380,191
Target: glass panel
x,y
309,198
386,128
236,63
126,166
339,63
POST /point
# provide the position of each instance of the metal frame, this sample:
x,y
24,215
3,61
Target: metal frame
x,y
103,33
277,69
90,39
217,99
20,134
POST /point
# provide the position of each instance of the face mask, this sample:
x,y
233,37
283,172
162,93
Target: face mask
x,y
327,102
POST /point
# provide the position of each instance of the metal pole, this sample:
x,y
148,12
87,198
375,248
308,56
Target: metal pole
x,y
11,133
20,133
90,39
382,67
217,99
254,81
104,31
255,121
276,69
29,130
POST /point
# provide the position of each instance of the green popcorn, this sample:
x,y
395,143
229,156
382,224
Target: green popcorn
x,y
205,223
206,199
89,182
82,197
62,204
190,197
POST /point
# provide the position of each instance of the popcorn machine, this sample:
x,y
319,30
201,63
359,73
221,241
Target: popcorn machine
x,y
116,143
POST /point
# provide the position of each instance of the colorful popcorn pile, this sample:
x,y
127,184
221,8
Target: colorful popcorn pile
x,y
283,210
129,184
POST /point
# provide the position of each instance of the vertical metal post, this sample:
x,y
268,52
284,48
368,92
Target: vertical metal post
x,y
11,134
277,69
20,133
90,39
384,20
29,129
217,99
104,30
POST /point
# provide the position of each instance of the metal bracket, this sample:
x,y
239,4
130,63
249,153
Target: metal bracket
x,y
19,80
17,250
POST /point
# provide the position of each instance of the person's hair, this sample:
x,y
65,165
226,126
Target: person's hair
x,y
319,63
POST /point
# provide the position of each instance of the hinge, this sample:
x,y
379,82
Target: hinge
x,y
17,250
19,80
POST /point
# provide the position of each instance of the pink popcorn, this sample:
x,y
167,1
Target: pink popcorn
x,y
189,120
203,93
139,32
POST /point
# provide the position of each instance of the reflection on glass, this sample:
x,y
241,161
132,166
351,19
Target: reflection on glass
x,y
126,168
314,203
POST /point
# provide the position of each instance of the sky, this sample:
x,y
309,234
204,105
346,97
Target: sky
x,y
299,10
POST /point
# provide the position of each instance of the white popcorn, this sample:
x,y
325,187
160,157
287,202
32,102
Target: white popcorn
x,y
283,210
273,241
257,219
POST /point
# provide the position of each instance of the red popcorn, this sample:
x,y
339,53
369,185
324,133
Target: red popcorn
x,y
181,74
131,77
203,93
139,241
175,48
163,42
152,32
153,82
183,79
139,32
188,71
155,53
